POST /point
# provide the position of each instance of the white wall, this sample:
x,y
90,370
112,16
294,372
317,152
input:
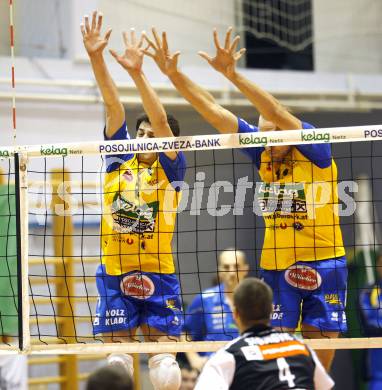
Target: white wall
x,y
189,24
348,36
39,123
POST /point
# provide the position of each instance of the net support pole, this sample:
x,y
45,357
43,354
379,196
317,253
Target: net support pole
x,y
21,181
62,226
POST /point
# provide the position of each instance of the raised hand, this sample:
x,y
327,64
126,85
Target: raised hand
x,y
93,41
226,57
167,63
132,58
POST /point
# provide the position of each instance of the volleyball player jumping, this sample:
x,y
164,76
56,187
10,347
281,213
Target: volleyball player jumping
x,y
303,255
136,282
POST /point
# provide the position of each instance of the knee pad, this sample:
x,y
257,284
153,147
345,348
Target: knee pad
x,y
122,360
164,372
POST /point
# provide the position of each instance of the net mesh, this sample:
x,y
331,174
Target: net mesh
x,y
220,209
288,23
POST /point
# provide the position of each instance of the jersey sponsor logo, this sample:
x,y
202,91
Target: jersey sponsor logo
x,y
279,197
128,175
303,277
290,348
336,316
274,351
332,299
172,304
252,352
130,218
175,321
277,313
298,226
273,338
137,286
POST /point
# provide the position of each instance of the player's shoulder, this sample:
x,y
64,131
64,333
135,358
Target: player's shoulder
x,y
307,125
245,127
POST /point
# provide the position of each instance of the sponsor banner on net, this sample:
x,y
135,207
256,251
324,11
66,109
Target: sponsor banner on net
x,y
212,141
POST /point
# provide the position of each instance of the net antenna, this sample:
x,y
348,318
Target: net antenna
x,y
286,22
12,47
367,230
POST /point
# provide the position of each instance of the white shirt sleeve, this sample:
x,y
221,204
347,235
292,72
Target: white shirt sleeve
x,y
322,381
218,372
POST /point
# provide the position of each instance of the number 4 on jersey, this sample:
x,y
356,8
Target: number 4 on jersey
x,y
284,372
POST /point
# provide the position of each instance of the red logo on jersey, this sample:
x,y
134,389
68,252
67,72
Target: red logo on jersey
x,y
128,175
304,277
137,286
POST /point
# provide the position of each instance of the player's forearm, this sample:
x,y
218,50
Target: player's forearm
x,y
152,105
204,103
264,102
115,114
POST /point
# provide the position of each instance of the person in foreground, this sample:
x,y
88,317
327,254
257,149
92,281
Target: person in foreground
x,y
303,257
209,316
370,300
262,358
110,378
136,283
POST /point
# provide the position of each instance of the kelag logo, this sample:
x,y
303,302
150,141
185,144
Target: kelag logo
x,y
312,136
53,151
252,140
4,153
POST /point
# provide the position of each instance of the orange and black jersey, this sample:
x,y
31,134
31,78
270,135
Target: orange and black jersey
x,y
264,359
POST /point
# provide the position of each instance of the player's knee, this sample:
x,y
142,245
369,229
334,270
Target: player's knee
x,y
122,360
164,372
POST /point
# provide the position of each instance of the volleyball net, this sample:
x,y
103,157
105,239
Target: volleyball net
x,y
54,207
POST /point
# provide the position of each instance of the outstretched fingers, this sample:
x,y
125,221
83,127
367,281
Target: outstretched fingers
x,y
99,22
140,43
148,53
239,54
94,20
228,38
107,35
234,44
114,54
133,36
125,38
164,42
216,40
87,25
204,55
156,37
149,41
83,32
175,57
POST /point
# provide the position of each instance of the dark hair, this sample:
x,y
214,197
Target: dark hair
x,y
172,122
110,377
253,300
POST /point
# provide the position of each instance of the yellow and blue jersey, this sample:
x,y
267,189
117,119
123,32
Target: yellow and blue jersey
x,y
139,211
299,202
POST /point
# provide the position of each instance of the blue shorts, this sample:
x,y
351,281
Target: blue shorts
x,y
316,290
135,298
